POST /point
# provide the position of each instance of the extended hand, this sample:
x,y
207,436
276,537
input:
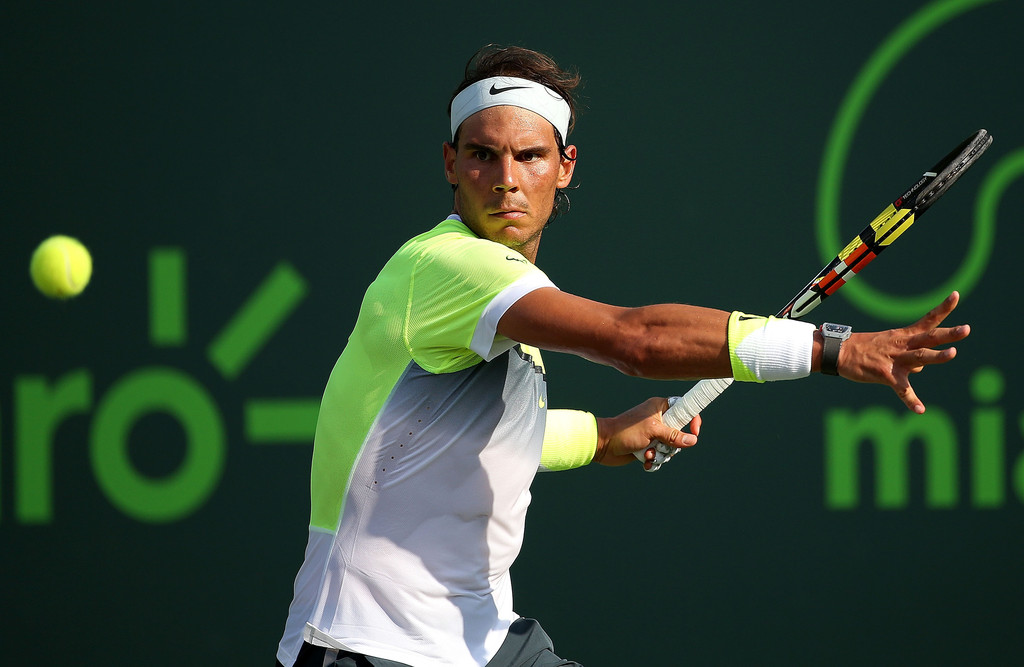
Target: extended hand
x,y
890,357
634,430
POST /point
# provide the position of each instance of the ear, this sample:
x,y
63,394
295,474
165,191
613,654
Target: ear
x,y
448,153
565,167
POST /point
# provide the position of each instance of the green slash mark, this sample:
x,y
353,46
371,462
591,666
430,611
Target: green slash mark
x,y
257,320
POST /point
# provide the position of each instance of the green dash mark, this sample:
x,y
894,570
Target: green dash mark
x,y
168,324
281,420
257,320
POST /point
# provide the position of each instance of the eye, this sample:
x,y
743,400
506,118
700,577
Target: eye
x,y
481,154
530,157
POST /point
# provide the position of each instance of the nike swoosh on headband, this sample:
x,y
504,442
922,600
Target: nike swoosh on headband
x,y
495,90
511,91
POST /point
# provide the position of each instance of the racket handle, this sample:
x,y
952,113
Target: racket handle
x,y
681,411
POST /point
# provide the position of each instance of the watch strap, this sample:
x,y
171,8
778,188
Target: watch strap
x,y
830,355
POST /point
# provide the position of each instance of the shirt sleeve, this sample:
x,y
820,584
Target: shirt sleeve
x,y
486,341
460,288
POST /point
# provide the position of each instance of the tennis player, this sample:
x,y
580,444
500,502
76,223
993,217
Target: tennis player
x,y
435,418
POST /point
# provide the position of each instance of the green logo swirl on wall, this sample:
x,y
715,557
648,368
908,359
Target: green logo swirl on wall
x,y
837,148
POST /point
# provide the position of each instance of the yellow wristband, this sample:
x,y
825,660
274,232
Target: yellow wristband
x,y
742,325
570,440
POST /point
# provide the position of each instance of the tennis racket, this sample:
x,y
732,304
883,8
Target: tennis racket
x,y
858,253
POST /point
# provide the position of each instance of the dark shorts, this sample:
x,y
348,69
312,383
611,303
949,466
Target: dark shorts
x,y
527,645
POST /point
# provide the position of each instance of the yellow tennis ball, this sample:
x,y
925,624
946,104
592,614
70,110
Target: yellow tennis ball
x,y
61,267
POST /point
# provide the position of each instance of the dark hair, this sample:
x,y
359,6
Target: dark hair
x,y
495,60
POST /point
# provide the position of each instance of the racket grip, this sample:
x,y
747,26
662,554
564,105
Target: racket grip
x,y
694,401
682,411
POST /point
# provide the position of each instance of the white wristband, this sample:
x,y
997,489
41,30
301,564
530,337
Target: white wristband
x,y
765,349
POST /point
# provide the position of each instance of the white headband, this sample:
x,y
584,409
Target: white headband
x,y
511,91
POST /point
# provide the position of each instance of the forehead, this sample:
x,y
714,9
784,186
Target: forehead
x,y
507,124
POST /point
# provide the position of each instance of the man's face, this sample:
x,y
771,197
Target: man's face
x,y
507,167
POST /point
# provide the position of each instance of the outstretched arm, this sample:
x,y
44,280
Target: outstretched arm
x,y
674,341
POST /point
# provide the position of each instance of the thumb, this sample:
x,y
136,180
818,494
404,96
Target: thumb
x,y
673,436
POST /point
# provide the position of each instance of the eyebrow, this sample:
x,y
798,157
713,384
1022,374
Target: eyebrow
x,y
540,150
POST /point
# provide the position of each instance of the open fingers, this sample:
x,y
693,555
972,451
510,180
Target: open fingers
x,y
936,337
936,315
920,357
913,362
908,396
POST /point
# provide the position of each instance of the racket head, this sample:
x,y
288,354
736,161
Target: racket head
x,y
889,224
945,173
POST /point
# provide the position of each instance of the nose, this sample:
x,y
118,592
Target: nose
x,y
507,179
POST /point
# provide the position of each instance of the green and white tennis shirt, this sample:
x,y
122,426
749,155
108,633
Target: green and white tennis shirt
x,y
430,433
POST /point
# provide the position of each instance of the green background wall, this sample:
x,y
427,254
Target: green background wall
x,y
301,144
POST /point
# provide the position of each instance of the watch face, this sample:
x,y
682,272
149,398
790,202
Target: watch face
x,y
836,329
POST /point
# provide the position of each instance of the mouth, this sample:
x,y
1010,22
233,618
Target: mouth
x,y
508,213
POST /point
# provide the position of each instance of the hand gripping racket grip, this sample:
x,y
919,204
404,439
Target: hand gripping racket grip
x,y
681,411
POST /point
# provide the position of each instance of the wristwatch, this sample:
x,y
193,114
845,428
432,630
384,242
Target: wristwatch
x,y
833,336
